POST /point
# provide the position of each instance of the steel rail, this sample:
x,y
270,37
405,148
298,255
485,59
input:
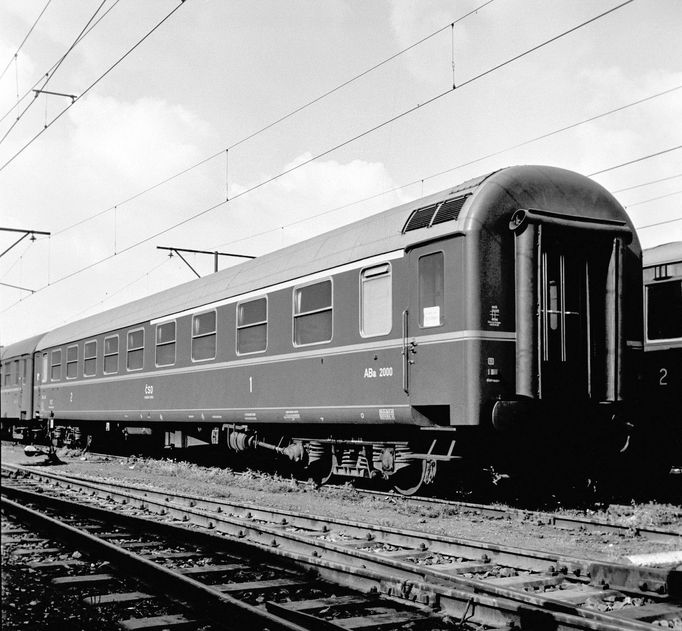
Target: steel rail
x,y
464,604
552,519
217,604
277,533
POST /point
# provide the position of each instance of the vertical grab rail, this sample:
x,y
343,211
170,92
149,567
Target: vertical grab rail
x,y
406,356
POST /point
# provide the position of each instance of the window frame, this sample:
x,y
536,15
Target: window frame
x,y
137,348
53,364
86,358
647,311
295,315
195,337
239,327
420,309
361,310
44,361
105,354
174,342
73,361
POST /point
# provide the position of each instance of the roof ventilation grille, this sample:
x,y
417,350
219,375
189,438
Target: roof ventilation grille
x,y
420,218
436,213
449,210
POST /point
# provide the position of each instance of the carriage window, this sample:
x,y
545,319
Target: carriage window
x,y
375,300
72,362
135,359
165,344
6,374
90,358
111,354
664,311
252,326
313,313
56,365
431,290
204,336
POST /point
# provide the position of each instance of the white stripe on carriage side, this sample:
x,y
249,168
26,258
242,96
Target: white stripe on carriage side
x,y
437,338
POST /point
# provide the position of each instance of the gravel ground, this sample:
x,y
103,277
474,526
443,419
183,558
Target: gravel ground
x,y
397,512
30,602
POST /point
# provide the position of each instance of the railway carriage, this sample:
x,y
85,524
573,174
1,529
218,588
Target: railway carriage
x,y
496,323
662,272
16,393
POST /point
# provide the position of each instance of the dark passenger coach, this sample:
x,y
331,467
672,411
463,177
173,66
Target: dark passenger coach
x,y
496,324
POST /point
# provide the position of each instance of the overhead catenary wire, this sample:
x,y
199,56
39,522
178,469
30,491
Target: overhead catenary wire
x,y
108,297
659,223
23,41
338,146
658,181
94,83
653,199
277,121
59,61
354,138
184,221
624,164
49,76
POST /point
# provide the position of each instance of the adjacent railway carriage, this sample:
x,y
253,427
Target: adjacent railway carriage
x,y
496,320
663,351
16,394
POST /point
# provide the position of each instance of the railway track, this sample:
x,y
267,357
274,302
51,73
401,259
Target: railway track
x,y
250,589
433,571
544,517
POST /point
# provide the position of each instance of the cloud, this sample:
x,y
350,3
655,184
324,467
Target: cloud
x,y
138,141
313,189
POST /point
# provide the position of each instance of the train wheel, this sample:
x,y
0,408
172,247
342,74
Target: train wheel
x,y
412,479
321,469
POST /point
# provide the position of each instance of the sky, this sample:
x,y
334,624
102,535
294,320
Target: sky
x,y
105,177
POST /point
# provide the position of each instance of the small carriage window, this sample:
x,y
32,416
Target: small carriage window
x,y
252,326
111,354
664,311
165,344
72,362
56,365
375,300
90,358
204,336
313,313
135,359
431,290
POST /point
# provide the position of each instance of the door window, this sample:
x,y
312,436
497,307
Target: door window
x,y
431,289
